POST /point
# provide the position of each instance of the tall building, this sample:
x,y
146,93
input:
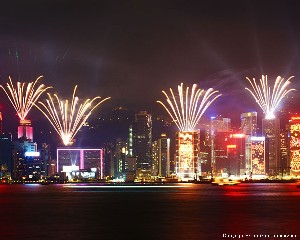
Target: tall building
x,y
130,169
187,164
108,160
258,157
249,129
130,142
220,124
220,129
120,158
164,156
155,160
271,131
25,158
5,155
284,153
294,145
249,123
220,150
50,164
236,154
142,139
205,151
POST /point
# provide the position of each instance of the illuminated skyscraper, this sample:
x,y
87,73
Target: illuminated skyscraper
x,y
258,157
220,124
294,149
120,158
50,164
142,139
155,152
25,160
249,129
130,141
249,123
164,156
205,151
220,130
187,166
5,155
236,154
271,131
108,160
284,152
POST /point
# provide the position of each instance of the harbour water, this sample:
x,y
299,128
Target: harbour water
x,y
175,211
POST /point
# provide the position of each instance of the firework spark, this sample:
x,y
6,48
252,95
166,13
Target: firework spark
x,y
187,111
268,99
68,118
23,98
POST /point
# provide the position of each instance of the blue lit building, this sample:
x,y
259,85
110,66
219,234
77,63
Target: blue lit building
x,y
5,155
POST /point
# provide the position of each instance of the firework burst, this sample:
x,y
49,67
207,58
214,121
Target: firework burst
x,y
67,117
189,108
23,98
269,98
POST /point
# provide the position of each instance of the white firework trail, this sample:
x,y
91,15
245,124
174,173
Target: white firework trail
x,y
267,97
67,119
23,98
189,108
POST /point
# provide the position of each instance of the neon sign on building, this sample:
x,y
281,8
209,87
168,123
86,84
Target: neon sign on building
x,y
295,146
258,156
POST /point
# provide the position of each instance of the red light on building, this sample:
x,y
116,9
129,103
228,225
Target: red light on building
x,y
295,118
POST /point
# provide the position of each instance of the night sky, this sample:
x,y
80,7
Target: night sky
x,y
131,50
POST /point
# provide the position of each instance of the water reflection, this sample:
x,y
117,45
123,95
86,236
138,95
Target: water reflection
x,y
178,211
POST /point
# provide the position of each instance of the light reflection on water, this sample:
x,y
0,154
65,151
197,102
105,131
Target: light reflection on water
x,y
175,211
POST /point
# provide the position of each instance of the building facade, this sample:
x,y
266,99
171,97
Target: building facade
x,y
271,131
5,155
294,146
258,157
249,129
80,163
164,156
187,164
142,140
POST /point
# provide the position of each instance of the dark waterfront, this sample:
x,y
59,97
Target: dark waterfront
x,y
179,211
